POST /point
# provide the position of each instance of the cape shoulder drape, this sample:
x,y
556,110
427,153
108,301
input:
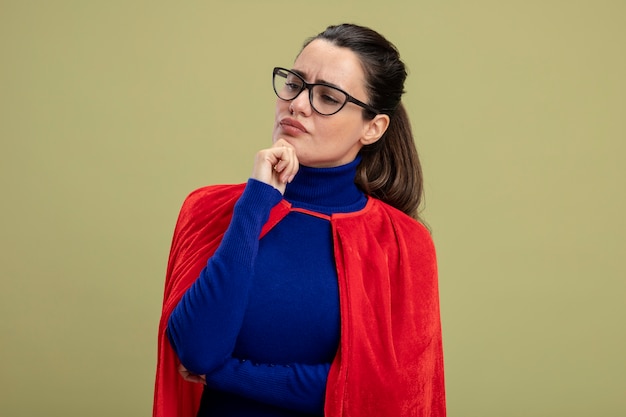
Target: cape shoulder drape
x,y
390,359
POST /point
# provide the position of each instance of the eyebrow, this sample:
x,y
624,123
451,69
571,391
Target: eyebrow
x,y
321,81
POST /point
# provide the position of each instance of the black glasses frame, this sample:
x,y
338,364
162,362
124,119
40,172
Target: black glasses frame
x,y
281,72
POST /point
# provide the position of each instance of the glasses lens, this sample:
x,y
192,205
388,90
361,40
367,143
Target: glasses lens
x,y
327,100
286,84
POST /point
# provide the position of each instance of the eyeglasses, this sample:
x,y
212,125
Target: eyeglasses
x,y
325,99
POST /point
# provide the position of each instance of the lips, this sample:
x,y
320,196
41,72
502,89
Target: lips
x,y
292,126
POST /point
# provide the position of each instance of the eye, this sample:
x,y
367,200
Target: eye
x,y
329,95
327,98
293,86
293,83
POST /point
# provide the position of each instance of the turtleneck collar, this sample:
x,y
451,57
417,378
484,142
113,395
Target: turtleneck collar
x,y
326,190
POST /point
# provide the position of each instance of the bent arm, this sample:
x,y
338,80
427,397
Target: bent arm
x,y
298,387
204,325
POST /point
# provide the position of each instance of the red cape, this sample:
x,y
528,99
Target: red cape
x,y
390,359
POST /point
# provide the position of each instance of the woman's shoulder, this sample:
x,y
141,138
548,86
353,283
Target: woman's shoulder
x,y
400,219
207,202
379,219
213,195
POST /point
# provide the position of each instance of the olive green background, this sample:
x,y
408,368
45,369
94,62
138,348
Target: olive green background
x,y
112,111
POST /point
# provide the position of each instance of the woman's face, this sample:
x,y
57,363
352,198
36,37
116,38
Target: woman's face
x,y
327,141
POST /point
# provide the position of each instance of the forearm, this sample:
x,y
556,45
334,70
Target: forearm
x,y
298,387
204,325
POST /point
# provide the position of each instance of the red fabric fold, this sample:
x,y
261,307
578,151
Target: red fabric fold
x,y
390,359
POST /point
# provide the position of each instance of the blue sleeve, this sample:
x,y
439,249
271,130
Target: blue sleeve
x,y
203,327
297,387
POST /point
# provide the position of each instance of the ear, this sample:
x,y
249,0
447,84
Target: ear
x,y
374,129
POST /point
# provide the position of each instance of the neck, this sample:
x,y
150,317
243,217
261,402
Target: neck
x,y
326,190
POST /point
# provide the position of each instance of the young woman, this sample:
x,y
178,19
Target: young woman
x,y
312,288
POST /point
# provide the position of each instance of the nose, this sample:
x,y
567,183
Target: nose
x,y
301,103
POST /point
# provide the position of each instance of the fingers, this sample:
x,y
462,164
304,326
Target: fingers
x,y
197,379
287,165
277,165
191,377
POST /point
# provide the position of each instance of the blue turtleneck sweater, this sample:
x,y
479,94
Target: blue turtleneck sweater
x,y
262,320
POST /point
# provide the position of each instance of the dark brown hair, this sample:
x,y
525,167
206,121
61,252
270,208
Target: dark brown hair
x,y
390,169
